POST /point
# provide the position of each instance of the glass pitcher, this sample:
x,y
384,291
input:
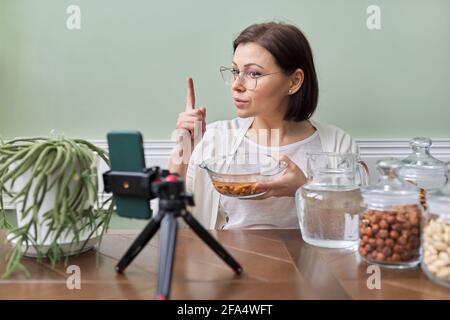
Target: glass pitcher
x,y
329,204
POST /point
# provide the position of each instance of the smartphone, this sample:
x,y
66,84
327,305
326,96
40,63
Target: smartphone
x,y
126,153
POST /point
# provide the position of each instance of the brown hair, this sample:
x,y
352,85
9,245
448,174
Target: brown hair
x,y
291,51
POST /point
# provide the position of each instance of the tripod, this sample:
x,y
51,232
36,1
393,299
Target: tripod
x,y
172,205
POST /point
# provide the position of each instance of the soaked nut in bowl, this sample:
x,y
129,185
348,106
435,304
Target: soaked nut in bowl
x,y
237,189
238,175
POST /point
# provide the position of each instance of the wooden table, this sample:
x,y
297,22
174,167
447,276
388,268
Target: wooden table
x,y
277,265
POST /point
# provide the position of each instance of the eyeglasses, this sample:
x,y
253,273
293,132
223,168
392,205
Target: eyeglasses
x,y
249,79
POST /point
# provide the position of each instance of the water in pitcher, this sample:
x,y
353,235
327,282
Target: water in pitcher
x,y
329,217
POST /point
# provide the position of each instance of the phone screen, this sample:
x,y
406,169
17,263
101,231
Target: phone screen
x,y
126,153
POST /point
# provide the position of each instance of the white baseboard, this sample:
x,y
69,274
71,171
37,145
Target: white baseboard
x,y
157,153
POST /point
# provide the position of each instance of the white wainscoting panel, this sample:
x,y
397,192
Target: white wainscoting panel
x,y
157,153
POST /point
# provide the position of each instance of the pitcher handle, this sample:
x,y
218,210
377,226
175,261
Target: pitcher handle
x,y
363,173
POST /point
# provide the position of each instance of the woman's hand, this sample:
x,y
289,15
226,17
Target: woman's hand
x,y
191,126
190,118
284,186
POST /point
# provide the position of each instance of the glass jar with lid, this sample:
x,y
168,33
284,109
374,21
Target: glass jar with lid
x,y
422,169
436,235
389,230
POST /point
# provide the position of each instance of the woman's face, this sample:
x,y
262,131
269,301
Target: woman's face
x,y
271,95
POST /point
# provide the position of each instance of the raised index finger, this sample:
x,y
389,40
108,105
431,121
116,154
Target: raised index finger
x,y
190,95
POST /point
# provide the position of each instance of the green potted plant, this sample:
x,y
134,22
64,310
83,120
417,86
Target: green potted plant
x,y
53,183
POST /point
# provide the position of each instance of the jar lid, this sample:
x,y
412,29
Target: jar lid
x,y
390,190
439,200
421,167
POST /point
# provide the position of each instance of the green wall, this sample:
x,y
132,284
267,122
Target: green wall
x,y
126,67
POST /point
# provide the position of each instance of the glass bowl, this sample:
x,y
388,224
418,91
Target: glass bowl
x,y
237,175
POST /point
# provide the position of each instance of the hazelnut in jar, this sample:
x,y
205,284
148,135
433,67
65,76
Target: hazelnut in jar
x,y
390,226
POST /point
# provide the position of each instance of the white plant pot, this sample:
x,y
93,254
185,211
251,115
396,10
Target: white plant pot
x,y
66,240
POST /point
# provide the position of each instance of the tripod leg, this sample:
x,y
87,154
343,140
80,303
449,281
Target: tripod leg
x,y
140,242
211,242
168,240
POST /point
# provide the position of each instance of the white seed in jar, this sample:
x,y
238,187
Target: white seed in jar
x,y
440,246
431,249
447,237
439,264
432,268
429,260
436,246
438,237
443,273
444,257
436,227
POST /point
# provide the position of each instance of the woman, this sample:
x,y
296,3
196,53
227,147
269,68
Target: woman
x,y
274,87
